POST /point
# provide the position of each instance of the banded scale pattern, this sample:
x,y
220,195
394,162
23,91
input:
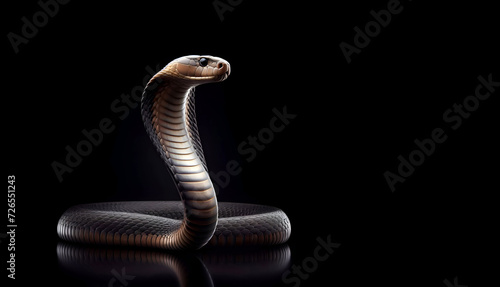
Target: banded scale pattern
x,y
168,118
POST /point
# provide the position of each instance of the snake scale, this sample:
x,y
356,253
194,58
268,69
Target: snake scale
x,y
168,113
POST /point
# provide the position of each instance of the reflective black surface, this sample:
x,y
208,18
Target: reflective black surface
x,y
141,267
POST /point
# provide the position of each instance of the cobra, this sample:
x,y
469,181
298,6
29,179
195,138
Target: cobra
x,y
168,113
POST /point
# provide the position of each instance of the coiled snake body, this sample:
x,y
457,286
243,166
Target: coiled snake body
x,y
169,118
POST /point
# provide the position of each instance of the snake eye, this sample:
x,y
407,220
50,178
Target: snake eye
x,y
203,62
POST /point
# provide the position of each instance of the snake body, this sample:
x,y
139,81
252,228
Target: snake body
x,y
168,112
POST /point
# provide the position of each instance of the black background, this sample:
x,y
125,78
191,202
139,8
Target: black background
x,y
325,169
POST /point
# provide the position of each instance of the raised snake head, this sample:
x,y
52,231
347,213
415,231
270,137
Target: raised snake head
x,y
195,70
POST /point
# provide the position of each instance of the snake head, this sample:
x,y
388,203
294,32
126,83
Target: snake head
x,y
200,69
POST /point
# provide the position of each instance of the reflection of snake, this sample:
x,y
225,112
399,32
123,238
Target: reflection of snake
x,y
169,117
96,265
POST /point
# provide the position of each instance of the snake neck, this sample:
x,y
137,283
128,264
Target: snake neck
x,y
168,113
